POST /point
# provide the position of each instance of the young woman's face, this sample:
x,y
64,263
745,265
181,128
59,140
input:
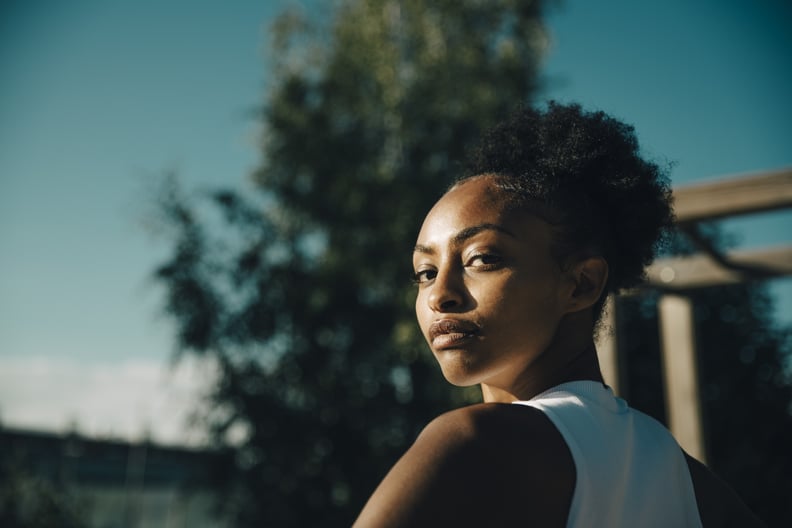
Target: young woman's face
x,y
490,294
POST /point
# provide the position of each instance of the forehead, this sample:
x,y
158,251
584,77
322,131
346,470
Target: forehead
x,y
481,192
471,203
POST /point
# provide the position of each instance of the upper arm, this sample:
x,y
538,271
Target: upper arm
x,y
472,467
423,486
718,504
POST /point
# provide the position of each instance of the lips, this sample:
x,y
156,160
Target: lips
x,y
448,333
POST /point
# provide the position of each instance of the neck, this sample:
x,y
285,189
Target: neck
x,y
570,357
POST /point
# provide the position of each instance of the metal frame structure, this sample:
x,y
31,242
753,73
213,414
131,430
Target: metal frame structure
x,y
693,204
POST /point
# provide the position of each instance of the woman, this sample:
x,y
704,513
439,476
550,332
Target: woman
x,y
513,265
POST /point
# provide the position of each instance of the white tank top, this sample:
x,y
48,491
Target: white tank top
x,y
630,471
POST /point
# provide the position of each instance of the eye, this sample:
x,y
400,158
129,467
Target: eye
x,y
484,260
424,275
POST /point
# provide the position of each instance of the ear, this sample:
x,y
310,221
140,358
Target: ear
x,y
589,275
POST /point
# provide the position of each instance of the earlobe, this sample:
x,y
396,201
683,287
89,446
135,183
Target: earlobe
x,y
590,276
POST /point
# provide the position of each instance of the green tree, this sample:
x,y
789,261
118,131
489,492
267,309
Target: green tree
x,y
301,290
28,500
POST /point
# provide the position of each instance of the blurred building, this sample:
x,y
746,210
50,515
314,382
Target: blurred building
x,y
104,483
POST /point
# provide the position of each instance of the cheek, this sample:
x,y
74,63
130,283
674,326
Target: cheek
x,y
421,312
529,304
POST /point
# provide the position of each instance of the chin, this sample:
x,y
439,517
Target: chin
x,y
458,370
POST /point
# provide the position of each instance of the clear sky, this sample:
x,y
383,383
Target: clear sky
x,y
98,99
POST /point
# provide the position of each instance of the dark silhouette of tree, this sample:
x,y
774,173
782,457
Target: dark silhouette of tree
x,y
301,289
28,500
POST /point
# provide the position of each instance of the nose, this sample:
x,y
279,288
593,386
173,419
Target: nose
x,y
447,293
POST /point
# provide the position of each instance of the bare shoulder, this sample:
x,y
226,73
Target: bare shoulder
x,y
718,504
484,464
500,432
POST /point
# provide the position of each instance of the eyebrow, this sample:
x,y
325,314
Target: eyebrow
x,y
465,234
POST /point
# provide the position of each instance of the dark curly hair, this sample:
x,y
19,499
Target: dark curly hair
x,y
582,172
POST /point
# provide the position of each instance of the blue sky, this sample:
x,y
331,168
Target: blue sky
x,y
98,99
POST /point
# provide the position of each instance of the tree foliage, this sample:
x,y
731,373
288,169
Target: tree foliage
x,y
33,501
301,289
